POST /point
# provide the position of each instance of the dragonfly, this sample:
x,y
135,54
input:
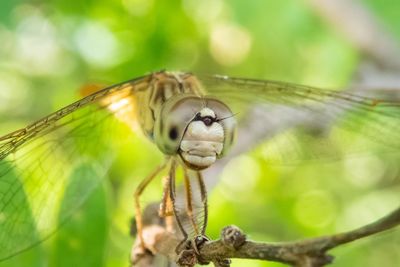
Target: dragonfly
x,y
50,167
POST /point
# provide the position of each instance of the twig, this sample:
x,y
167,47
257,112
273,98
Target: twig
x,y
303,253
309,252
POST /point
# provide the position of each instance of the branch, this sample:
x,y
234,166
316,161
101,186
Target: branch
x,y
233,244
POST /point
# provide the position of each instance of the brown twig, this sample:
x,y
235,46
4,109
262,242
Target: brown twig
x,y
233,244
309,252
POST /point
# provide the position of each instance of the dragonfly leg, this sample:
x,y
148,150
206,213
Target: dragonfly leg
x,y
172,194
165,205
200,238
139,190
189,201
166,209
203,194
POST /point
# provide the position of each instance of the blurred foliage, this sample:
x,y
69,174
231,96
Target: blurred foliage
x,y
49,49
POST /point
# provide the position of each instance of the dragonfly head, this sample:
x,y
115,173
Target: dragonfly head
x,y
200,130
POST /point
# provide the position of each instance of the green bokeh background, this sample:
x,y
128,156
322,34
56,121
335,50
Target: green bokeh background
x,y
48,49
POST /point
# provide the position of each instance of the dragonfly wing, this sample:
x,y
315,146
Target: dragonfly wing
x,y
324,124
49,168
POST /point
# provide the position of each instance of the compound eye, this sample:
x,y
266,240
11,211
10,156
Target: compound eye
x,y
175,115
224,116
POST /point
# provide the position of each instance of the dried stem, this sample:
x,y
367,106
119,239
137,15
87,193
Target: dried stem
x,y
233,244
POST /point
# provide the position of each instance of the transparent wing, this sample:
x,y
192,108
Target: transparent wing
x,y
49,168
314,123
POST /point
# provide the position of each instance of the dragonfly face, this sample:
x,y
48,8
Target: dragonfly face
x,y
198,129
185,123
